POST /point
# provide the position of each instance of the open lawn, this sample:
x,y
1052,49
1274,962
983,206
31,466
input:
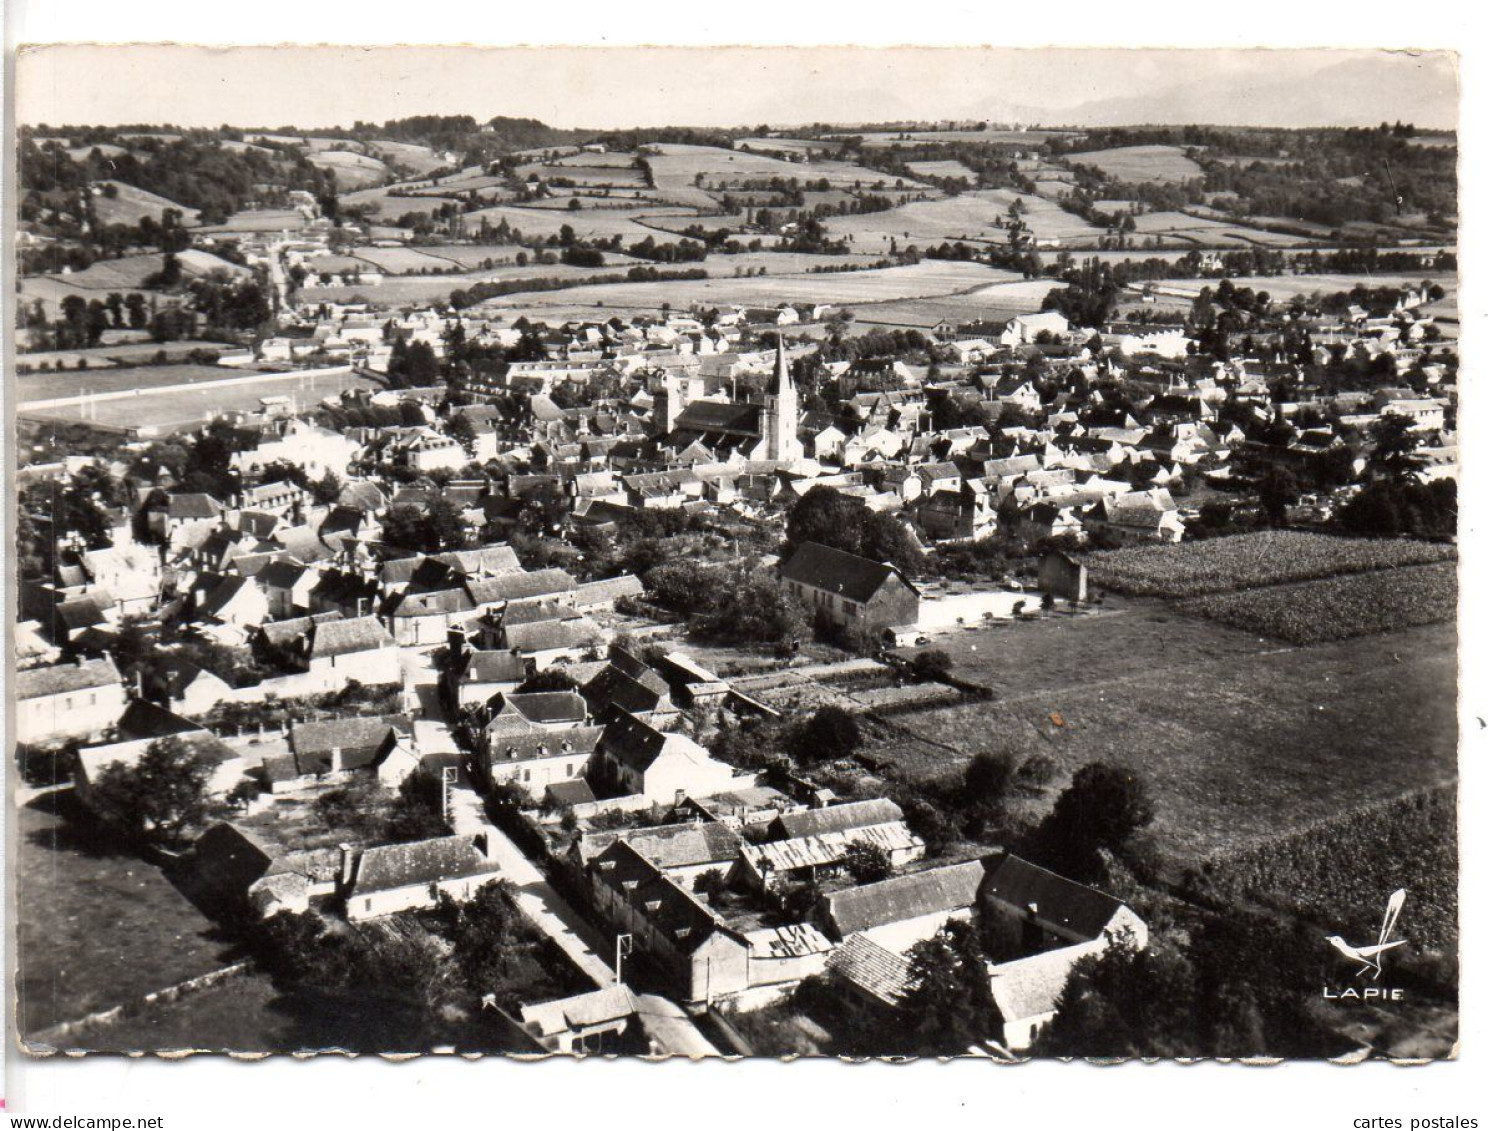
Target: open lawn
x,y
242,1014
102,927
1137,164
384,205
1241,742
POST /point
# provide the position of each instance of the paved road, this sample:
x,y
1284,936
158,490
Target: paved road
x,y
547,909
534,895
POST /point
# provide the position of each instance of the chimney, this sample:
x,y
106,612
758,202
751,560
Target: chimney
x,y
348,865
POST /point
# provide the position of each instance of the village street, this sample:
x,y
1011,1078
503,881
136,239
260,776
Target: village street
x,y
543,906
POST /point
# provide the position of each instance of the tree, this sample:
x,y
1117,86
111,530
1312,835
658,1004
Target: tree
x,y
1126,1002
826,516
549,679
1104,805
418,811
867,863
1393,456
887,539
159,797
1277,489
831,733
949,1006
461,429
756,609
989,777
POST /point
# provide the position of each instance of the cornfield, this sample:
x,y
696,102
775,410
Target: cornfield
x,y
1342,871
1337,608
1246,561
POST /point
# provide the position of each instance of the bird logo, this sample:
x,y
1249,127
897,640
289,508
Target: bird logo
x,y
1368,957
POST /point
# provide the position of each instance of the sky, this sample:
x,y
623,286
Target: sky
x,y
605,88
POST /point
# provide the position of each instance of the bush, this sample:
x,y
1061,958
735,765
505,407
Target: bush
x,y
931,665
831,733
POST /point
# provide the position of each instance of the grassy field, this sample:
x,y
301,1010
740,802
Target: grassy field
x,y
101,928
130,205
156,413
385,205
589,223
971,216
1240,743
1217,565
411,290
45,386
352,170
1283,287
1137,164
940,169
419,159
677,166
993,302
847,288
262,220
1337,608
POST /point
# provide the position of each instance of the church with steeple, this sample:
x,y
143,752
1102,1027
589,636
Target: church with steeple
x,y
766,429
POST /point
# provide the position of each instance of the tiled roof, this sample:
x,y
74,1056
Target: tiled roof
x,y
343,637
551,744
839,818
34,683
493,667
1062,902
894,900
391,866
836,571
876,970
1030,987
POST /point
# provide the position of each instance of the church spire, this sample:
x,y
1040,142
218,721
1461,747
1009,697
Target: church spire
x,y
782,370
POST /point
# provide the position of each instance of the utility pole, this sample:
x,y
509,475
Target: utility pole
x,y
624,944
447,778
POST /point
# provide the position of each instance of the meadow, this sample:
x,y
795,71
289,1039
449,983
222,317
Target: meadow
x,y
159,413
970,216
846,288
129,205
1240,743
1139,164
102,927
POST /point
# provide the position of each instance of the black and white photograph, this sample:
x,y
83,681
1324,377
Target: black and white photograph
x,y
734,552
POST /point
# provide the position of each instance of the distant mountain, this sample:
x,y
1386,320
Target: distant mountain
x,y
1356,92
